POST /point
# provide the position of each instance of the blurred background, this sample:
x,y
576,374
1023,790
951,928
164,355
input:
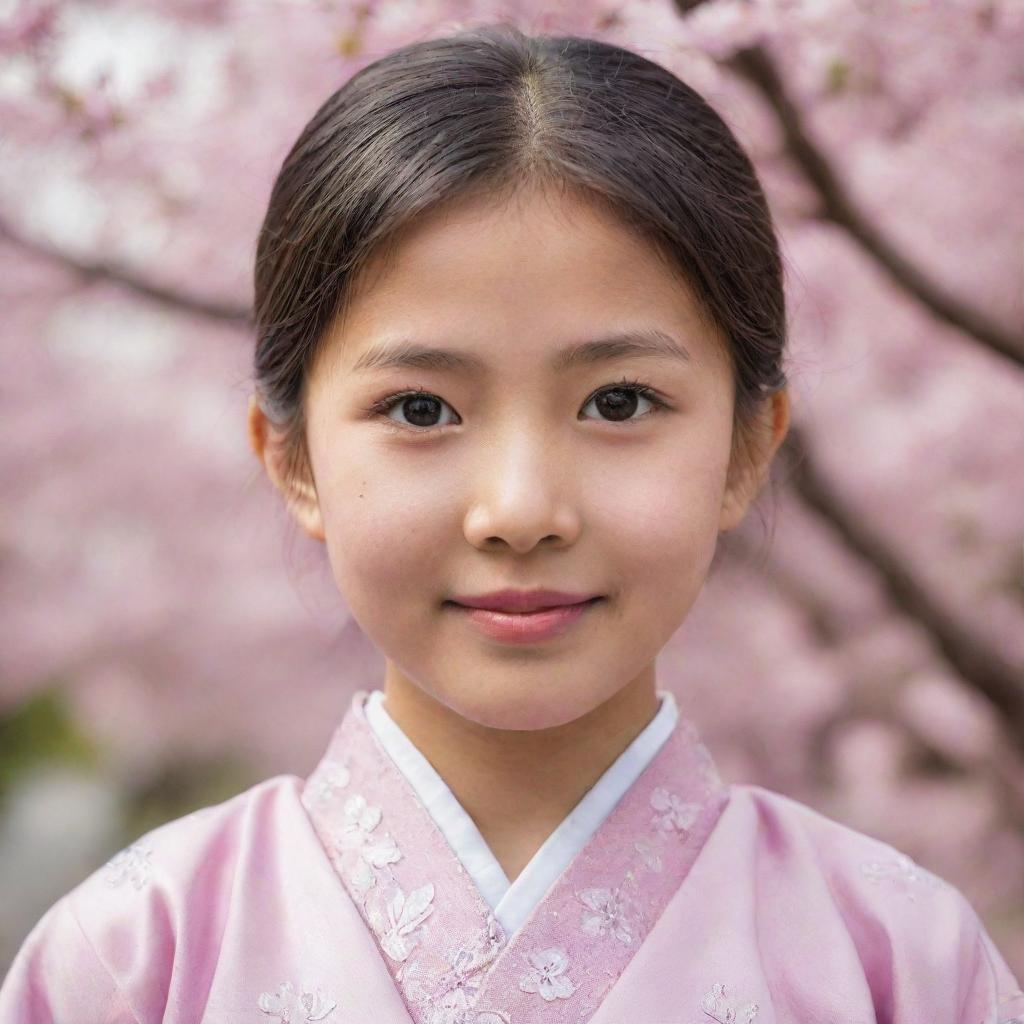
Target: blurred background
x,y
167,638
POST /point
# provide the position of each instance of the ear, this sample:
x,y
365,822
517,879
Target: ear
x,y
746,480
300,497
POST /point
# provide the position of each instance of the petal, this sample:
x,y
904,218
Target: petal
x,y
553,960
596,899
417,907
561,987
370,818
660,799
528,983
363,877
354,806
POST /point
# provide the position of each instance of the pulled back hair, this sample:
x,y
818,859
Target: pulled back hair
x,y
490,111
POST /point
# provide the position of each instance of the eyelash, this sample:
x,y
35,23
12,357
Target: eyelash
x,y
637,387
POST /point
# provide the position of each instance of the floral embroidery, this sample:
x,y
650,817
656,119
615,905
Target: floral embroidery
x,y
902,871
548,974
439,961
399,931
716,1006
131,863
676,815
609,910
333,775
357,843
451,1000
289,1006
453,1006
649,854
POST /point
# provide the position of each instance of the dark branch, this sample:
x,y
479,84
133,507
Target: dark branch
x,y
96,270
838,206
984,669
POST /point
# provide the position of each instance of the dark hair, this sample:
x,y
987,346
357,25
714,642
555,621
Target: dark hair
x,y
490,110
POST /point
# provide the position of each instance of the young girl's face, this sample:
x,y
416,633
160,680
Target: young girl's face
x,y
520,468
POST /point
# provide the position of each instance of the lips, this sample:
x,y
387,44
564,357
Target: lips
x,y
523,601
527,627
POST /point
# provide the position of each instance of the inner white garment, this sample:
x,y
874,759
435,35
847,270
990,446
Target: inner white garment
x,y
513,902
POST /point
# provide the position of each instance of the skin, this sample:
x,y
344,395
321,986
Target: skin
x,y
517,477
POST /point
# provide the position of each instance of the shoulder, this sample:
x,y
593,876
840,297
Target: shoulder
x,y
128,925
865,875
194,855
904,921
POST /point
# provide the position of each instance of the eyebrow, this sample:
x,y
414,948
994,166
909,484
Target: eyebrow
x,y
405,353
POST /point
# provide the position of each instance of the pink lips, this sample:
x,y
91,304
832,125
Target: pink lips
x,y
522,600
527,627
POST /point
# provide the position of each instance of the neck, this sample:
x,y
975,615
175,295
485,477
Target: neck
x,y
518,785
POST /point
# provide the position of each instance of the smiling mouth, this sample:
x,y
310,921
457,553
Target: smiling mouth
x,y
534,612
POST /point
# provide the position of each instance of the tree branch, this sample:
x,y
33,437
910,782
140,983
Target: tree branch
x,y
97,270
1003,764
755,64
838,206
977,664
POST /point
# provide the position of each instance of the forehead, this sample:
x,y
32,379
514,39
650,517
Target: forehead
x,y
537,271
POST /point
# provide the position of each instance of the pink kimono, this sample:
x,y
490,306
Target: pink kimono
x,y
339,899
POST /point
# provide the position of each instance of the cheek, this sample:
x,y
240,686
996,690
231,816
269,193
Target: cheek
x,y
379,538
659,530
661,511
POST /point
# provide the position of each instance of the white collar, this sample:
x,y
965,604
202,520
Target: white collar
x,y
513,902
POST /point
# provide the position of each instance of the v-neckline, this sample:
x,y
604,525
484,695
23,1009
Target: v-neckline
x,y
446,950
512,900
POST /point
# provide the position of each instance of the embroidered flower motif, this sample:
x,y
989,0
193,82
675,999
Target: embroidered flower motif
x,y
289,1006
899,869
649,854
357,843
398,930
131,863
548,974
675,814
716,1006
608,912
333,775
458,988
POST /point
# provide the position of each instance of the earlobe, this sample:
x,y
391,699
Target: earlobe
x,y
742,490
299,496
255,428
306,510
734,507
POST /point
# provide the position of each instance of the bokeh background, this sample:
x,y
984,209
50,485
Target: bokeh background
x,y
167,637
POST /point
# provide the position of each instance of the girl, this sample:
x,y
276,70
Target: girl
x,y
520,326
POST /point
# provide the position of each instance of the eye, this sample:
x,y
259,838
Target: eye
x,y
619,401
419,406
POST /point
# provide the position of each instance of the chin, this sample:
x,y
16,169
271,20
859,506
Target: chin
x,y
519,712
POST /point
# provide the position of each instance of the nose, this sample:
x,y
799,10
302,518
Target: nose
x,y
523,493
